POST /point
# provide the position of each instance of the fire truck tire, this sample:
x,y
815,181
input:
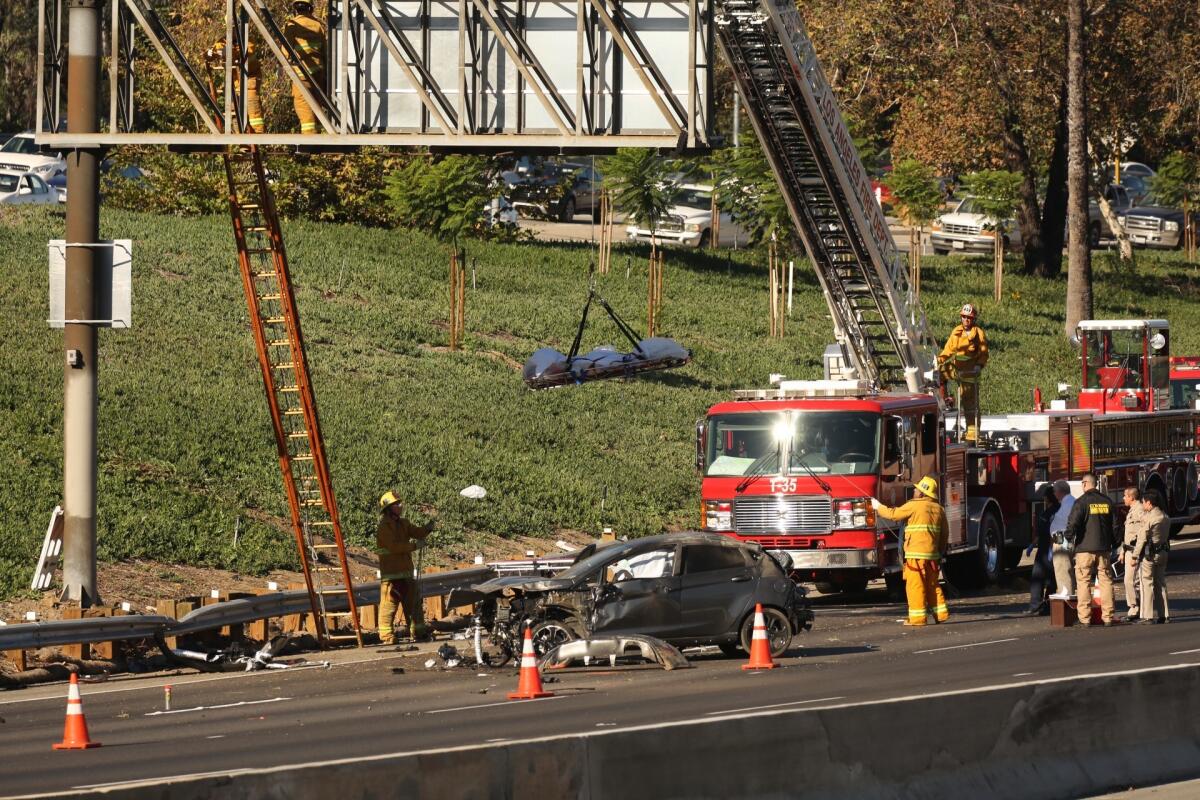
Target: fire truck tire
x,y
779,631
826,587
895,586
985,564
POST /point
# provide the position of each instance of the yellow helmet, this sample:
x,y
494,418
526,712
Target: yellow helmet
x,y
389,499
928,486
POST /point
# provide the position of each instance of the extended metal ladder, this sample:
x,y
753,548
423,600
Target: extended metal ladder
x,y
877,319
280,345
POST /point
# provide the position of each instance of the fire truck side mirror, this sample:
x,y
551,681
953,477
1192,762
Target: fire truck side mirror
x,y
893,436
701,443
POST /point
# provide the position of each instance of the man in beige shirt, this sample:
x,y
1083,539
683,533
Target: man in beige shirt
x,y
1135,529
1156,541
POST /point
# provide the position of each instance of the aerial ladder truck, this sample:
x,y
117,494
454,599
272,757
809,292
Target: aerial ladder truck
x,y
794,467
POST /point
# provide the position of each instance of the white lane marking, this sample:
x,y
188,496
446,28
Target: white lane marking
x,y
773,705
1021,674
964,646
490,705
187,679
213,708
494,741
218,736
1185,652
654,726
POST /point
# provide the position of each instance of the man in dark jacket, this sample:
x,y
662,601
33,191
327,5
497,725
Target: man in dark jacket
x,y
1090,526
1043,569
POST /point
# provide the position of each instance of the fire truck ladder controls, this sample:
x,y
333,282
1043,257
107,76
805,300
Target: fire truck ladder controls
x,y
876,317
280,345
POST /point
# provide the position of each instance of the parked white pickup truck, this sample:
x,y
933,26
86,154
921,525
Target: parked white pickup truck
x,y
689,222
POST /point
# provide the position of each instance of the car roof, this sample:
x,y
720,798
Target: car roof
x,y
682,537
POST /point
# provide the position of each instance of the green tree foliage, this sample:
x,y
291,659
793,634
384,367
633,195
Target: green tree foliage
x,y
749,190
641,185
444,196
1178,180
915,191
18,59
996,193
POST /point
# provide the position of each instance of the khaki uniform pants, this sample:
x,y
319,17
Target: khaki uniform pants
x,y
400,591
308,120
1153,582
1088,566
1064,573
1132,572
921,587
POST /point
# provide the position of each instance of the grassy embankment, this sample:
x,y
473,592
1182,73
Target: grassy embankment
x,y
185,442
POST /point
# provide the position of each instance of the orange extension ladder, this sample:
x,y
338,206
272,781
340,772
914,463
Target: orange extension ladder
x,y
280,344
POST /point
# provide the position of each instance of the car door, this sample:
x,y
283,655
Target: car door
x,y
39,192
639,594
718,584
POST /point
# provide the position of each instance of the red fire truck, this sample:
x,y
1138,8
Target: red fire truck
x,y
794,466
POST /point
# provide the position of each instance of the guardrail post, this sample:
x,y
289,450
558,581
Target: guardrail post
x,y
79,651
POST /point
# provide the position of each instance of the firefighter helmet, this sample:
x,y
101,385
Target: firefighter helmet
x,y
968,310
302,6
388,500
928,486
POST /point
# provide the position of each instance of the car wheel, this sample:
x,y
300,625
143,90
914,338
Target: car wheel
x,y
549,634
779,631
705,240
596,213
1094,236
568,210
941,251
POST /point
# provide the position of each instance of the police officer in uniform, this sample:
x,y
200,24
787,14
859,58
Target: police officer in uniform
x,y
1090,526
1135,532
1157,535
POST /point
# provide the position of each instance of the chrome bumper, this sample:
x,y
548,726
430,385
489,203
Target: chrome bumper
x,y
833,559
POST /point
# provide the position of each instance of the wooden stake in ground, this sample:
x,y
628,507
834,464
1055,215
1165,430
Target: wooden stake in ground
x,y
458,299
654,287
998,266
604,256
777,288
714,230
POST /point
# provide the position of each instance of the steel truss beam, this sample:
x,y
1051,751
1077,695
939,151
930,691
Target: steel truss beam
x,y
392,77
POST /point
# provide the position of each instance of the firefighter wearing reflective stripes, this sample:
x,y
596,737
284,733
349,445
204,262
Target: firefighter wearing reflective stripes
x,y
962,360
926,536
397,539
214,58
307,37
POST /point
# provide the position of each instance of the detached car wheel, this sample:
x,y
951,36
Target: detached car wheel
x,y
779,631
568,210
550,633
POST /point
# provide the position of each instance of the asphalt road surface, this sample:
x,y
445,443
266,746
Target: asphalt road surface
x,y
858,651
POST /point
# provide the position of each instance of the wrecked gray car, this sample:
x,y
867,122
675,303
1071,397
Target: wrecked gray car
x,y
687,589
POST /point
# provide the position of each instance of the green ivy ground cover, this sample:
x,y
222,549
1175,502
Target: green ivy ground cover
x,y
185,442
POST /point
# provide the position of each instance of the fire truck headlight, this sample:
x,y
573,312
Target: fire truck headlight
x,y
855,513
718,515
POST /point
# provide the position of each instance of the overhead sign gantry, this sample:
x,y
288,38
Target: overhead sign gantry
x,y
513,74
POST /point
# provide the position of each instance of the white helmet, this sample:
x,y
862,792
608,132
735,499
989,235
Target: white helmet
x,y
967,310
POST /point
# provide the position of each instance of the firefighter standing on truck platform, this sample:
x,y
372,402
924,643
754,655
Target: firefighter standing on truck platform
x,y
962,360
926,537
397,539
214,59
307,37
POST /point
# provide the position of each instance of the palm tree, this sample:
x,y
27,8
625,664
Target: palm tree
x,y
639,180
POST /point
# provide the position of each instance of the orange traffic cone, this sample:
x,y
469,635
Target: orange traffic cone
x,y
75,732
530,685
760,648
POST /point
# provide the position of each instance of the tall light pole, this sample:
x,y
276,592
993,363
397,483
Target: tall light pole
x,y
79,331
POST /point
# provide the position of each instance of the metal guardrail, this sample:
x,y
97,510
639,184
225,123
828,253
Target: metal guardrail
x,y
32,635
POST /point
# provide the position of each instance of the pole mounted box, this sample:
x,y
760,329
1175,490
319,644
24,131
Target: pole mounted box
x,y
113,287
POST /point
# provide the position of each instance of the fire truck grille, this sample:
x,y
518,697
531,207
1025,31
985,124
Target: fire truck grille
x,y
788,515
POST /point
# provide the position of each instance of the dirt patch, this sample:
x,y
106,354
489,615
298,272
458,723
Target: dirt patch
x,y
169,275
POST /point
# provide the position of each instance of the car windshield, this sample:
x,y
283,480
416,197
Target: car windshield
x,y
8,183
19,144
695,198
967,206
602,556
831,442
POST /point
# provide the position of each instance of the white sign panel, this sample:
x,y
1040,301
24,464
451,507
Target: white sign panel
x,y
113,289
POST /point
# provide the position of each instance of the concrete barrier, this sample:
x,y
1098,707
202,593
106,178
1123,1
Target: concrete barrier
x,y
1046,739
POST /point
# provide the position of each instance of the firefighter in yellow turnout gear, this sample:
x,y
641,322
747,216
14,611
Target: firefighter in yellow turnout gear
x,y
214,59
397,539
962,360
926,536
307,37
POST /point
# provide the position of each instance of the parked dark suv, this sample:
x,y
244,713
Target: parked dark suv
x,y
553,189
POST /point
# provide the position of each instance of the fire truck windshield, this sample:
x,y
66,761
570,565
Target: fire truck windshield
x,y
830,442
